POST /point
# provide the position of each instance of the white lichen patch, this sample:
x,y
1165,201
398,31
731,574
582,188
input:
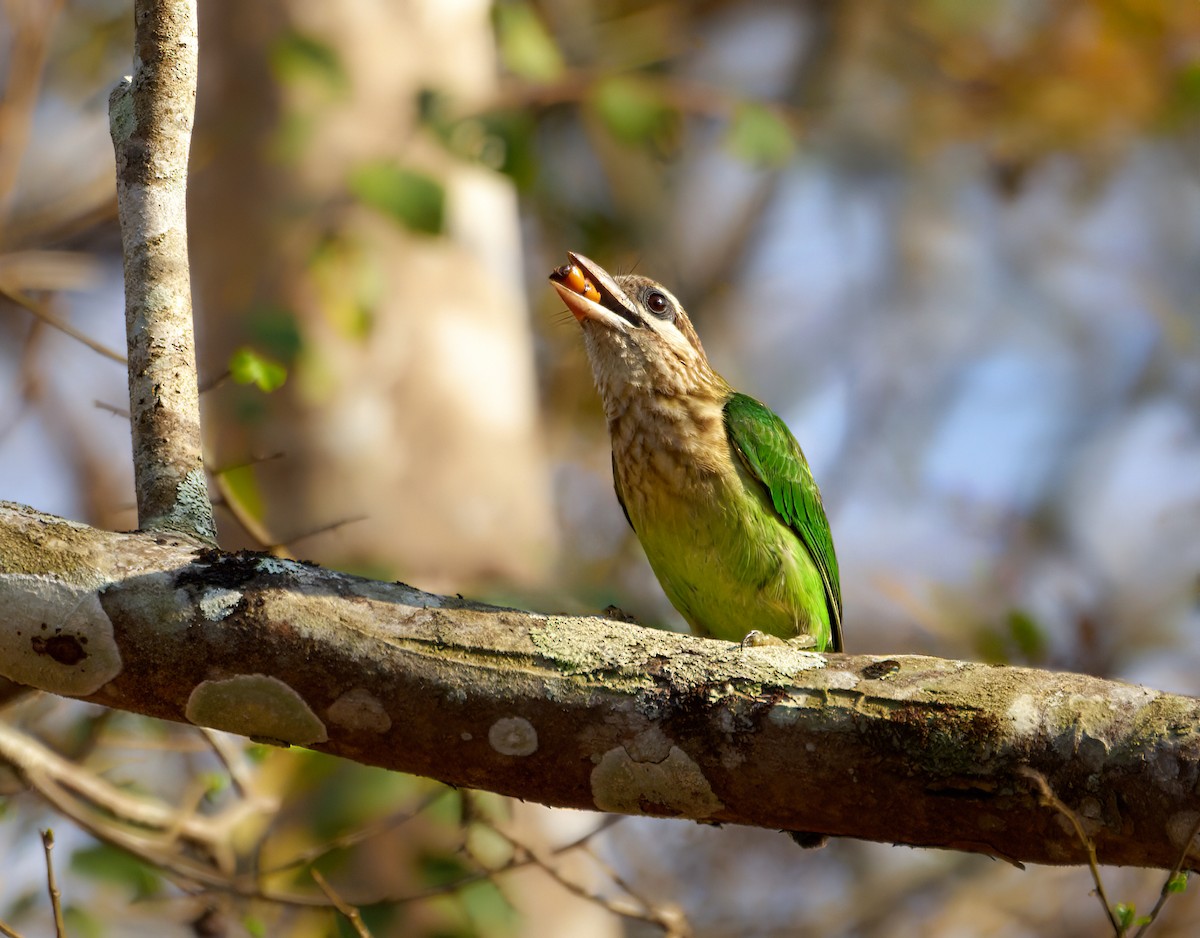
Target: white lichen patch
x,y
217,603
772,662
842,680
55,636
513,736
650,745
359,710
256,705
1129,694
278,567
1025,715
671,787
192,511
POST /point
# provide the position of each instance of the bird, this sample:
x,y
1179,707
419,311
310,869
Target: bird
x,y
712,482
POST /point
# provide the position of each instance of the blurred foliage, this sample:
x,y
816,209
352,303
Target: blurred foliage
x,y
299,58
760,137
111,865
1020,641
276,330
347,280
634,111
414,199
526,48
246,366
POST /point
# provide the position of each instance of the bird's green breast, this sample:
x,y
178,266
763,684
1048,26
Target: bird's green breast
x,y
723,555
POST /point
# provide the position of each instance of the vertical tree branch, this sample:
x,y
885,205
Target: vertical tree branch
x,y
150,120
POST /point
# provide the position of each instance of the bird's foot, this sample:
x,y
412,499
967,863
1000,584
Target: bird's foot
x,y
808,840
618,614
756,639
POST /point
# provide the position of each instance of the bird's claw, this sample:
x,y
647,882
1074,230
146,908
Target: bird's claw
x,y
756,639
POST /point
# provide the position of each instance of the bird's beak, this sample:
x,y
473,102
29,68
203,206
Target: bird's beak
x,y
590,293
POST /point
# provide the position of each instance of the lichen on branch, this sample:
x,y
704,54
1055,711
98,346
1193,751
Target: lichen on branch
x,y
593,713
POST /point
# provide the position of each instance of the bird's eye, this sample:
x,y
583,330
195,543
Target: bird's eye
x,y
657,302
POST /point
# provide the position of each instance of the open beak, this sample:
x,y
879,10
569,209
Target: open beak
x,y
590,293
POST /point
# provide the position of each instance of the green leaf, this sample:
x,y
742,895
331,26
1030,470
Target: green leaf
x,y
81,923
384,918
275,328
1027,635
760,136
440,869
349,285
292,138
414,199
1125,914
633,110
110,865
526,47
296,57
1177,883
1184,99
488,846
250,367
484,902
501,140
376,793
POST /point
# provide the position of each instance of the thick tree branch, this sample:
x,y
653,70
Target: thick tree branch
x,y
151,124
591,713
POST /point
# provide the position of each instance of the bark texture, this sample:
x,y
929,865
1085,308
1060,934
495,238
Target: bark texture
x,y
591,713
150,119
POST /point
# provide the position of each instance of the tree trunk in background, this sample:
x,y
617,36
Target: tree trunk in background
x,y
411,402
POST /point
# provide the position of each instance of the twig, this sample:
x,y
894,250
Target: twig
x,y
155,850
349,911
671,921
1166,893
150,118
326,528
60,927
213,383
1051,800
111,408
40,766
359,835
514,864
250,524
247,463
29,39
45,315
232,756
257,530
8,931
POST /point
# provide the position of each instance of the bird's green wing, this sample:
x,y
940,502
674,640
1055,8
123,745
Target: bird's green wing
x,y
620,494
771,454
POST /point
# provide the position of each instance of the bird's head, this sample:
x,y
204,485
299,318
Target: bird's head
x,y
638,337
